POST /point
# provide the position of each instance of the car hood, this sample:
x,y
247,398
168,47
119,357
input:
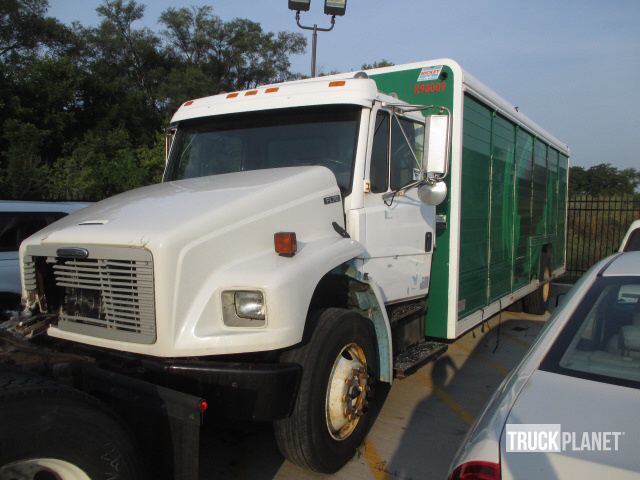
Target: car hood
x,y
578,406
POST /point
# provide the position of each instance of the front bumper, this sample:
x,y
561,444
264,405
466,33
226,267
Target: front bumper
x,y
243,390
247,387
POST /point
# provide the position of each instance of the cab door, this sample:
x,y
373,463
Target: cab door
x,y
399,231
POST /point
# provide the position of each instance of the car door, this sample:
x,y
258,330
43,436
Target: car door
x,y
399,228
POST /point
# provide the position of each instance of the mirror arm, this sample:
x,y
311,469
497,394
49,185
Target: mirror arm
x,y
169,135
408,186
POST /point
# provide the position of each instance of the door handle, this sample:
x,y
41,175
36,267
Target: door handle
x,y
428,242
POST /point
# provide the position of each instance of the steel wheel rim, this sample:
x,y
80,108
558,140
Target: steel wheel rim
x,y
546,287
42,469
347,390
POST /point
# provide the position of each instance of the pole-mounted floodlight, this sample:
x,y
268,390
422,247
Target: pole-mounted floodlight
x,y
300,5
335,7
331,7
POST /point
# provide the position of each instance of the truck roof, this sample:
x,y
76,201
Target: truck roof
x,y
343,88
476,88
320,91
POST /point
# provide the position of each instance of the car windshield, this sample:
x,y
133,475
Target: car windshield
x,y
602,339
325,135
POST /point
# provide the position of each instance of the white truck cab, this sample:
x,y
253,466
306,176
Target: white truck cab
x,y
192,267
282,267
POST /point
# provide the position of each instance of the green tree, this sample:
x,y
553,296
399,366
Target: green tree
x,y
82,109
24,175
379,64
603,180
24,27
220,56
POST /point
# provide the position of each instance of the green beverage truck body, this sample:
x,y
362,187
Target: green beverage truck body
x,y
502,228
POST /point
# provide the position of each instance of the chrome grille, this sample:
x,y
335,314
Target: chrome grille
x,y
109,298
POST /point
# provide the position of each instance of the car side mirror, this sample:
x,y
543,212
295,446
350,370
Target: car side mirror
x,y
435,158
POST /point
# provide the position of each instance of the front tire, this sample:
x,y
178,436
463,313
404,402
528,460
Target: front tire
x,y
50,431
339,395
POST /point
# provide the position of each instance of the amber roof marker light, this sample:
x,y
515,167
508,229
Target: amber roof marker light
x,y
331,7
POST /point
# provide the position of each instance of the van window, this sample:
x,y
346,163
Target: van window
x,y
17,226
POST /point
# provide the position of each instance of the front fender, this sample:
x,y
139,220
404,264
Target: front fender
x,y
288,284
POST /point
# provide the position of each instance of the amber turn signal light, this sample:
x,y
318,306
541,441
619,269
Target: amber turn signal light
x,y
285,243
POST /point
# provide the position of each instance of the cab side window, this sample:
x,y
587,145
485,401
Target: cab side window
x,y
403,162
379,170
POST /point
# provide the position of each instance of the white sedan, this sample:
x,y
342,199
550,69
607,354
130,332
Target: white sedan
x,y
570,409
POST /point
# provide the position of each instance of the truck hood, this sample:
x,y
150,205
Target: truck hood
x,y
157,213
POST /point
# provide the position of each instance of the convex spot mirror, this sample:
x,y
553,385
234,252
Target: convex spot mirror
x,y
435,157
432,193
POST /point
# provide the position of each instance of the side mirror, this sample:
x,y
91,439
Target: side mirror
x,y
432,193
435,160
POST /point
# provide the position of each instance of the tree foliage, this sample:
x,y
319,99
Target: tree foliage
x,y
603,180
379,64
83,108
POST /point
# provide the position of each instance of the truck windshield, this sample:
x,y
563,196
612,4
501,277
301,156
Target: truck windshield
x,y
325,136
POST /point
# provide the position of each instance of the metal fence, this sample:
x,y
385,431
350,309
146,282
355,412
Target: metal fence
x,y
596,226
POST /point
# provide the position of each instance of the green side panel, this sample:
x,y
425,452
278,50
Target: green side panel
x,y
437,92
522,209
474,214
502,207
561,237
538,206
551,208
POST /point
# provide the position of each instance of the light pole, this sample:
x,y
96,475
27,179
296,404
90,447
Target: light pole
x,y
331,7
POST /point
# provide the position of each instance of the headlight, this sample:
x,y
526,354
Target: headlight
x,y
250,305
243,308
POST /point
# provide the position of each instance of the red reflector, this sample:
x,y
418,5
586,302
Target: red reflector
x,y
476,470
232,95
271,90
187,103
250,92
337,83
203,406
285,243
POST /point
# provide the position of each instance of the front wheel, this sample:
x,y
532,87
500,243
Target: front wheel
x,y
339,393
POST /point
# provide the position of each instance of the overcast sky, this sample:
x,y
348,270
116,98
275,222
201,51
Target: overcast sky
x,y
572,66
